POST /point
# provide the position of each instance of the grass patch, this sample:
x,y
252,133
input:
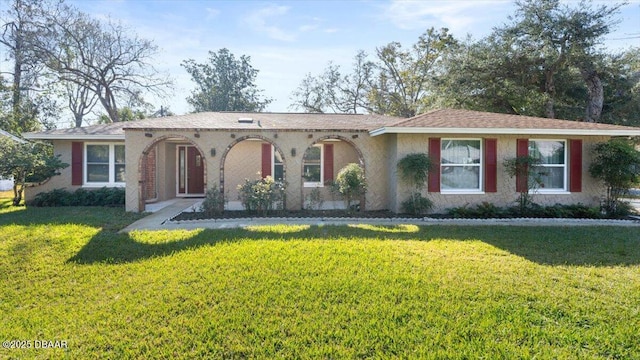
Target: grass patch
x,y
315,291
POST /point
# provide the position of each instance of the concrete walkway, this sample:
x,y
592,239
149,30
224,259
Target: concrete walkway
x,y
160,220
160,216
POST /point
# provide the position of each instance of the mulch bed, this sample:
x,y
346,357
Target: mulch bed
x,y
381,214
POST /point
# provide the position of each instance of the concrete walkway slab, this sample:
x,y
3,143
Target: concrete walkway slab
x,y
161,222
157,219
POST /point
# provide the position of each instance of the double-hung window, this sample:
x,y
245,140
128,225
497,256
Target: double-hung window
x,y
104,165
552,156
461,165
312,166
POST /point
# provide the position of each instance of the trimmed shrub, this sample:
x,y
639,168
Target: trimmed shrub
x,y
351,183
488,210
213,203
417,204
82,197
262,196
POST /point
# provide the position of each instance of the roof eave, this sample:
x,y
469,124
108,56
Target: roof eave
x,y
502,131
37,136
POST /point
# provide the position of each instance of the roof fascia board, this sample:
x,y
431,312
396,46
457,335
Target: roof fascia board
x,y
72,137
507,131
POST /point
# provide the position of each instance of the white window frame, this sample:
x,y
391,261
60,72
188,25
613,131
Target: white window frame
x,y
112,161
273,163
564,190
319,184
480,189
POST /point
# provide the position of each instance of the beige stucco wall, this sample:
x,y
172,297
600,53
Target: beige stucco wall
x,y
506,194
385,189
224,143
244,161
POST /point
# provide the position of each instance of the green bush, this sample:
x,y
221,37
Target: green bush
x,y
314,200
414,169
417,204
351,183
617,164
213,203
262,196
488,210
82,197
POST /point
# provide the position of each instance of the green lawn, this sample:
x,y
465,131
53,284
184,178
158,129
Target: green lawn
x,y
315,292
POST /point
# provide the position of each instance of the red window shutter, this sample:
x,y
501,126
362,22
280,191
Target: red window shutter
x,y
491,165
522,149
434,172
266,160
328,163
575,165
77,152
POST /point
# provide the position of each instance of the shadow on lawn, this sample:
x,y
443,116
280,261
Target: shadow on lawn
x,y
592,246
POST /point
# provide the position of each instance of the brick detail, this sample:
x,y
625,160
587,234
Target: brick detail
x,y
150,174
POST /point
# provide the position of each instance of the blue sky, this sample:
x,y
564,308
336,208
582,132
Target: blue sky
x,y
288,39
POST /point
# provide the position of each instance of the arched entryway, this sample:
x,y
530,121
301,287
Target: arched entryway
x,y
249,157
171,166
321,162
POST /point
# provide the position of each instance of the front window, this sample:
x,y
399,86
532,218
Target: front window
x,y
278,165
552,157
461,165
312,166
105,164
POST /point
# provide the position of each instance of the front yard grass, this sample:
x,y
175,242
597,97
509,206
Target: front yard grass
x,y
315,292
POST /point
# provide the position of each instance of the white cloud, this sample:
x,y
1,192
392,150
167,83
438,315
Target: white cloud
x,y
457,15
260,20
212,13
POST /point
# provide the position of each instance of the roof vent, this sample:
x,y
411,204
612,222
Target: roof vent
x,y
245,120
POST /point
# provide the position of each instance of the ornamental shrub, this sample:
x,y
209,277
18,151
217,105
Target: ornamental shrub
x,y
262,196
82,197
213,203
351,183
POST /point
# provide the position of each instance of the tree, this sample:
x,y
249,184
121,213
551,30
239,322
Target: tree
x,y
124,114
621,81
333,92
557,36
414,169
22,24
224,84
617,164
27,163
400,83
101,60
528,173
405,77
